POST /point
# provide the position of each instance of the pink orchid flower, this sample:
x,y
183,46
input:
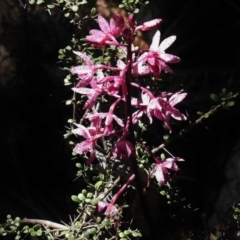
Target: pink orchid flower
x,y
159,107
157,58
86,72
108,32
96,117
110,211
142,107
149,25
93,92
160,171
164,109
108,207
91,135
112,84
123,149
109,119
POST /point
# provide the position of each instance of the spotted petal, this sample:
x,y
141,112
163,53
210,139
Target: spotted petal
x,y
166,43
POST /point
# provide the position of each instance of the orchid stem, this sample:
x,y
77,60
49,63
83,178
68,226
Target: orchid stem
x,y
131,138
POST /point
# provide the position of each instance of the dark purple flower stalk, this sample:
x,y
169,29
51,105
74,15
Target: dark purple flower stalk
x,y
110,210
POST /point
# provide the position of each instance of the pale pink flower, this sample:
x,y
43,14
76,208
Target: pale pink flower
x,y
93,92
97,117
91,134
138,69
112,84
123,149
156,57
149,25
109,119
164,109
110,211
160,171
142,107
85,72
108,32
108,207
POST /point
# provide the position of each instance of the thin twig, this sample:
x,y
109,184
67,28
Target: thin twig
x,y
45,223
192,125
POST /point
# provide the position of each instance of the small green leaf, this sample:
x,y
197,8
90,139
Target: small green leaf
x,y
39,233
84,192
86,235
78,165
93,11
70,121
92,231
136,10
32,232
40,1
121,235
163,193
75,8
101,176
94,201
75,198
229,96
82,2
214,97
32,1
25,228
67,14
229,104
68,102
166,137
224,91
98,184
50,6
135,234
81,196
89,195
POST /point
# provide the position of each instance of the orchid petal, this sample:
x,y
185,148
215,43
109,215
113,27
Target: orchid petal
x,y
170,58
84,57
166,43
177,97
155,41
83,90
118,120
83,147
82,131
103,24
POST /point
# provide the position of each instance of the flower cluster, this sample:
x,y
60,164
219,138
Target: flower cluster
x,y
96,80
